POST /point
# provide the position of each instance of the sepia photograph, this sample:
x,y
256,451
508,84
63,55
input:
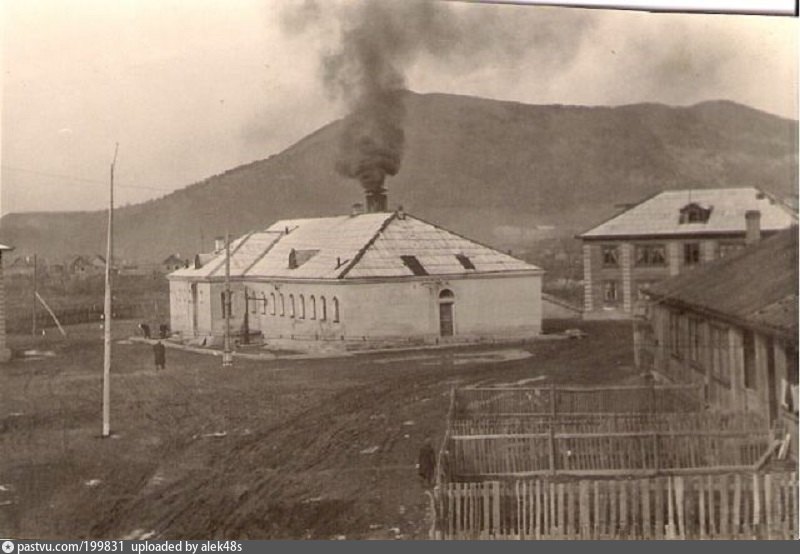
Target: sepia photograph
x,y
407,270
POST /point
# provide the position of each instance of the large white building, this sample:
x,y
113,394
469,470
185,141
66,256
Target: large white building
x,y
368,277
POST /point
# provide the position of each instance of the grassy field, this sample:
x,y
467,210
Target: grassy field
x,y
280,449
76,300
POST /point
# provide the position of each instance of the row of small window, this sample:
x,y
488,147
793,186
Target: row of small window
x,y
654,255
278,305
707,345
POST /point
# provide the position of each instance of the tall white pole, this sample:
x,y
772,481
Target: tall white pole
x,y
107,306
227,354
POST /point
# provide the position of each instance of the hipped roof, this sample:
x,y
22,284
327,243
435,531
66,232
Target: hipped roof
x,y
360,246
756,287
659,215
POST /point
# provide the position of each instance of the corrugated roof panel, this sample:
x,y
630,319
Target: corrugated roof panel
x,y
660,215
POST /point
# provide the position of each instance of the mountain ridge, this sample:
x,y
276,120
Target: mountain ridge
x,y
496,171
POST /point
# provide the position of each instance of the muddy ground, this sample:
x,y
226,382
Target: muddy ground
x,y
279,449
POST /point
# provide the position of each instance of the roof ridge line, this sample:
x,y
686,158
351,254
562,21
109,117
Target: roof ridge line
x,y
264,253
473,241
245,238
369,243
615,216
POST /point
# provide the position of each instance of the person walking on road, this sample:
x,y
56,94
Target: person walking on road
x,y
160,355
426,463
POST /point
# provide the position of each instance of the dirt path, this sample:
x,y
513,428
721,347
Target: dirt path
x,y
312,449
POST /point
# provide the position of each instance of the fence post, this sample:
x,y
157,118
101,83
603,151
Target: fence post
x,y
552,438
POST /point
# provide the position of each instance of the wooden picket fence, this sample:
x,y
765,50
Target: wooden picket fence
x,y
708,506
631,453
523,401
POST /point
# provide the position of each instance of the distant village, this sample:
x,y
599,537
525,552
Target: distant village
x,y
81,266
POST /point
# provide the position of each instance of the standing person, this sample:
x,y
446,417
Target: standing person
x,y
160,354
426,463
145,330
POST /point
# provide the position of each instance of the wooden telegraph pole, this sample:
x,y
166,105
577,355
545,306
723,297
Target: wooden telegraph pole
x,y
33,298
227,354
107,306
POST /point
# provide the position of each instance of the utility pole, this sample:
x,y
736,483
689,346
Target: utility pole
x,y
33,298
107,306
227,355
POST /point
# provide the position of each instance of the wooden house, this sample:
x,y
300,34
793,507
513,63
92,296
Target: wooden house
x,y
731,325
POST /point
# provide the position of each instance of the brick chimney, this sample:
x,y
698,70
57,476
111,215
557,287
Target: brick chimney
x,y
752,226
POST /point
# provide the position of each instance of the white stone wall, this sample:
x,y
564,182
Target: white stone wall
x,y
492,307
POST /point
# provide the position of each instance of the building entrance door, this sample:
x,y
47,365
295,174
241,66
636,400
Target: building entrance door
x,y
446,303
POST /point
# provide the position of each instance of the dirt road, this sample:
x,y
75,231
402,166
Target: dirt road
x,y
301,449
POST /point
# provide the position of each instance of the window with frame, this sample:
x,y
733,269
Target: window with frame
x,y
291,305
264,303
312,307
610,255
272,303
335,310
749,355
694,338
694,213
651,255
302,307
674,334
283,305
691,253
719,355
610,292
323,309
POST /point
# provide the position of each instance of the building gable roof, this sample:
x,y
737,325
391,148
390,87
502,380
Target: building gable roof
x,y
757,286
660,215
355,247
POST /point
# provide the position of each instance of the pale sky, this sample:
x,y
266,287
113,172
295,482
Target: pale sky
x,y
193,88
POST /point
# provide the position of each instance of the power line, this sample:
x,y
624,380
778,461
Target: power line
x,y
79,179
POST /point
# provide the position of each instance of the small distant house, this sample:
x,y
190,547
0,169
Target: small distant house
x,y
174,262
5,353
733,326
21,265
365,277
85,266
667,234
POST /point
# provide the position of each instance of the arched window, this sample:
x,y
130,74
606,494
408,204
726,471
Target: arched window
x,y
323,309
446,313
283,306
264,303
291,305
302,307
313,307
272,303
335,310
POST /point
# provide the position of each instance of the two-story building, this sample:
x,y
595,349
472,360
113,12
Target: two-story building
x,y
669,233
